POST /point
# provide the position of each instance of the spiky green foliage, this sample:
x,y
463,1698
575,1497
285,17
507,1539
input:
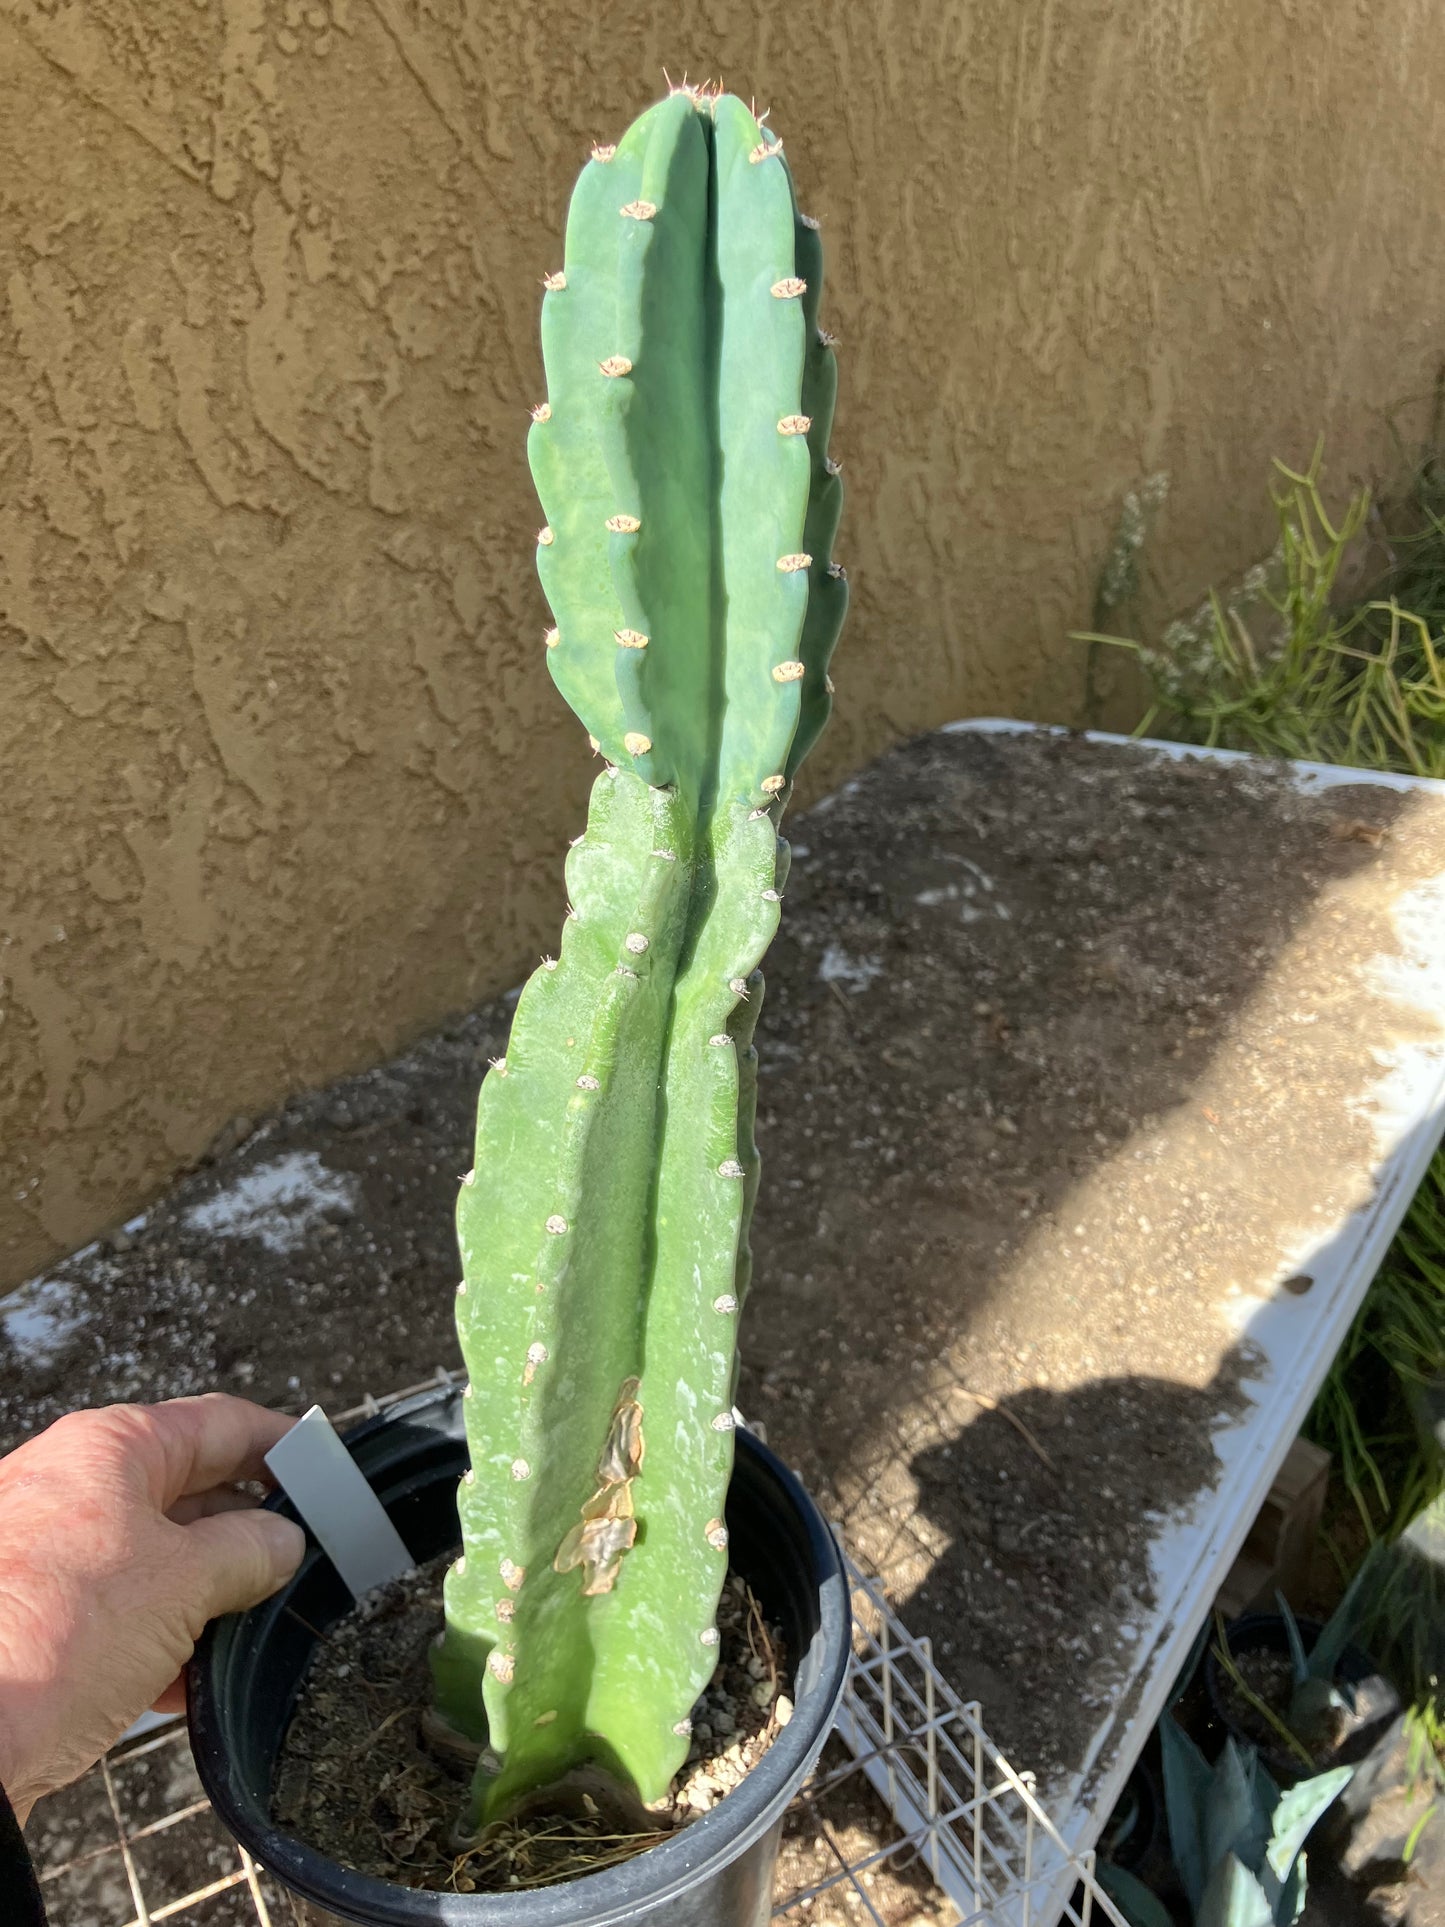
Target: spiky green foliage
x,y
681,460
1400,1618
1317,1695
1237,1841
1284,664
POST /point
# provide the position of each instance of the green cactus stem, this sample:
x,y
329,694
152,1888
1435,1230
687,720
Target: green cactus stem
x,y
681,460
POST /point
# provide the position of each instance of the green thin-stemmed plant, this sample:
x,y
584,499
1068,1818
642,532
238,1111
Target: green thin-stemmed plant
x,y
1283,664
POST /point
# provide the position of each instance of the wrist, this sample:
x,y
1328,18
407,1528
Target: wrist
x,y
13,1777
27,1668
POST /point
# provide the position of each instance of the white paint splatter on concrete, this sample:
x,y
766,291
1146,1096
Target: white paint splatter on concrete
x,y
39,1318
855,973
966,893
276,1202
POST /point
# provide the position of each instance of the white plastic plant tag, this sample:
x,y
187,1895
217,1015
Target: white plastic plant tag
x,y
324,1483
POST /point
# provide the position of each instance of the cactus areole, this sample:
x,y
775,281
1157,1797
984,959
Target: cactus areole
x,y
681,458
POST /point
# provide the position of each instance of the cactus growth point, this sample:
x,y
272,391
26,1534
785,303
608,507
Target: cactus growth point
x,y
681,460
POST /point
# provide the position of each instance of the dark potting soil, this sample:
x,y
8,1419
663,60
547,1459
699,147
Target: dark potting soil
x,y
1269,1677
1062,1045
1340,1734
358,1779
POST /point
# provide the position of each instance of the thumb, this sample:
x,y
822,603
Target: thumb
x,y
241,1558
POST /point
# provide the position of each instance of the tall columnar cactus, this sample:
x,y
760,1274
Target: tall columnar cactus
x,y
681,459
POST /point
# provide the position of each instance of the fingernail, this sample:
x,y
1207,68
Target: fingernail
x,y
285,1541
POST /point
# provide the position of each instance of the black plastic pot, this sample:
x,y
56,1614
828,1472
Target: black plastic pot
x,y
717,1872
1134,1835
1375,1700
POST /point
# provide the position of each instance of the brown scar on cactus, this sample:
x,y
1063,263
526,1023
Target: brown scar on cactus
x,y
635,743
623,1449
599,1544
608,1529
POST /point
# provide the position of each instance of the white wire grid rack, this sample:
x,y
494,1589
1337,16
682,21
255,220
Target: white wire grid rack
x,y
913,1816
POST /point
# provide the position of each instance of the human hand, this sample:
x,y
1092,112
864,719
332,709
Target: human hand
x,y
121,1534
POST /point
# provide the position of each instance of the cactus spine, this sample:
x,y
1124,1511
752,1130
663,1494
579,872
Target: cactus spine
x,y
681,460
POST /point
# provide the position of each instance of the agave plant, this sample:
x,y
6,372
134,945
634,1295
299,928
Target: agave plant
x,y
1317,1697
681,456
1237,1841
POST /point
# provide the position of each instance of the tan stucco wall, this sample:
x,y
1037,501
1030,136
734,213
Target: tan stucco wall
x,y
282,778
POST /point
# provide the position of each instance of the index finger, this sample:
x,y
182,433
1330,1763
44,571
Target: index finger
x,y
209,1440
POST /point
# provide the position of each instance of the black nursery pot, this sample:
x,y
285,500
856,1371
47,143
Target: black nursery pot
x,y
716,1872
1134,1834
1376,1701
